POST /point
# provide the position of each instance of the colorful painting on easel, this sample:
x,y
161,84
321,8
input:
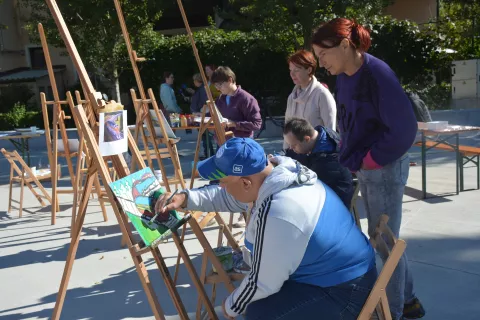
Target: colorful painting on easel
x,y
137,195
112,133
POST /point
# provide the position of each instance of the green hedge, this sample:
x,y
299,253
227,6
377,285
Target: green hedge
x,y
259,69
262,69
19,117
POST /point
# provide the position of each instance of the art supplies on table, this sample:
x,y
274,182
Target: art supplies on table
x,y
137,194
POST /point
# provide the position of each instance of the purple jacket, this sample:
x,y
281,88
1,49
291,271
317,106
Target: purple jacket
x,y
243,109
375,117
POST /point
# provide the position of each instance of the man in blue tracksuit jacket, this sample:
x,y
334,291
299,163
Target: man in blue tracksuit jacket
x,y
317,149
308,258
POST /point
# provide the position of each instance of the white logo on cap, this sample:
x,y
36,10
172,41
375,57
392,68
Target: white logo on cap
x,y
220,151
237,168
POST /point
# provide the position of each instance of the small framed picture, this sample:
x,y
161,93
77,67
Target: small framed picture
x,y
113,132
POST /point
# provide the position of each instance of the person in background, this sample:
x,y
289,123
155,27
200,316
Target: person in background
x,y
308,258
237,105
209,69
198,101
309,100
320,145
377,126
167,95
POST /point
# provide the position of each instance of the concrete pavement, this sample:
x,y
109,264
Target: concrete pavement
x,y
442,234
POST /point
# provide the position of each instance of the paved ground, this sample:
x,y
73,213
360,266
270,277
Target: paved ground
x,y
443,237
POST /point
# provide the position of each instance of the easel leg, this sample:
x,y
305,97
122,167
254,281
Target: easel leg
x,y
203,278
227,233
72,250
77,185
54,168
177,265
169,283
98,189
193,274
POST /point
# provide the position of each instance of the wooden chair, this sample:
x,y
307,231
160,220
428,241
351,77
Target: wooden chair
x,y
25,176
384,241
66,148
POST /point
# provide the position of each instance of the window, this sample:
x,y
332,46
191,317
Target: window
x,y
37,59
49,93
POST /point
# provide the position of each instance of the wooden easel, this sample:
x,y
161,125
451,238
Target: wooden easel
x,y
59,118
97,166
220,276
143,117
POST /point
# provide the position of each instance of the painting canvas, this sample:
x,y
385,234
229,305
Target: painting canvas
x,y
207,119
137,195
156,124
113,132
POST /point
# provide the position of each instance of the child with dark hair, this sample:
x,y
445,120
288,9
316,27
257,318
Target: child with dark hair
x,y
237,105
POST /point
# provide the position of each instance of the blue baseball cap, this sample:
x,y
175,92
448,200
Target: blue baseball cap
x,y
239,157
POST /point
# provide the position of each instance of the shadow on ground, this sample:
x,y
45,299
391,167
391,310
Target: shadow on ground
x,y
117,297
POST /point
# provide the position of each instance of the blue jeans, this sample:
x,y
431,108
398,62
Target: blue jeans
x,y
209,146
382,193
296,301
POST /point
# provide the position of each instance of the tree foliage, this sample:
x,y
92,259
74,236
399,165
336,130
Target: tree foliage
x,y
459,27
291,21
413,54
259,68
95,28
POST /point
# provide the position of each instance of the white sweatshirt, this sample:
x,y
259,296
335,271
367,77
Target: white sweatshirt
x,y
315,104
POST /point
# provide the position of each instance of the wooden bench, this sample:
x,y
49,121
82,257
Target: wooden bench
x,y
468,153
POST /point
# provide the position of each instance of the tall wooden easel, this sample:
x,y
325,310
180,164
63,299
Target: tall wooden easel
x,y
220,276
58,124
142,108
97,166
143,116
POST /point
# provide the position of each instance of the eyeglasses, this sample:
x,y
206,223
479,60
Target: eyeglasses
x,y
219,85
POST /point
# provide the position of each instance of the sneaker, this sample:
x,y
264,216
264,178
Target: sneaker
x,y
239,224
413,310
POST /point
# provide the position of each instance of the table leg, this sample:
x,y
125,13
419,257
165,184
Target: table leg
x,y
207,140
459,163
27,148
478,172
424,166
21,145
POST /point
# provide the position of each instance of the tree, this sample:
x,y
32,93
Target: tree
x,y
95,28
291,22
459,26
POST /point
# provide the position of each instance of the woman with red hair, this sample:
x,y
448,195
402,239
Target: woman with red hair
x,y
310,99
377,127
